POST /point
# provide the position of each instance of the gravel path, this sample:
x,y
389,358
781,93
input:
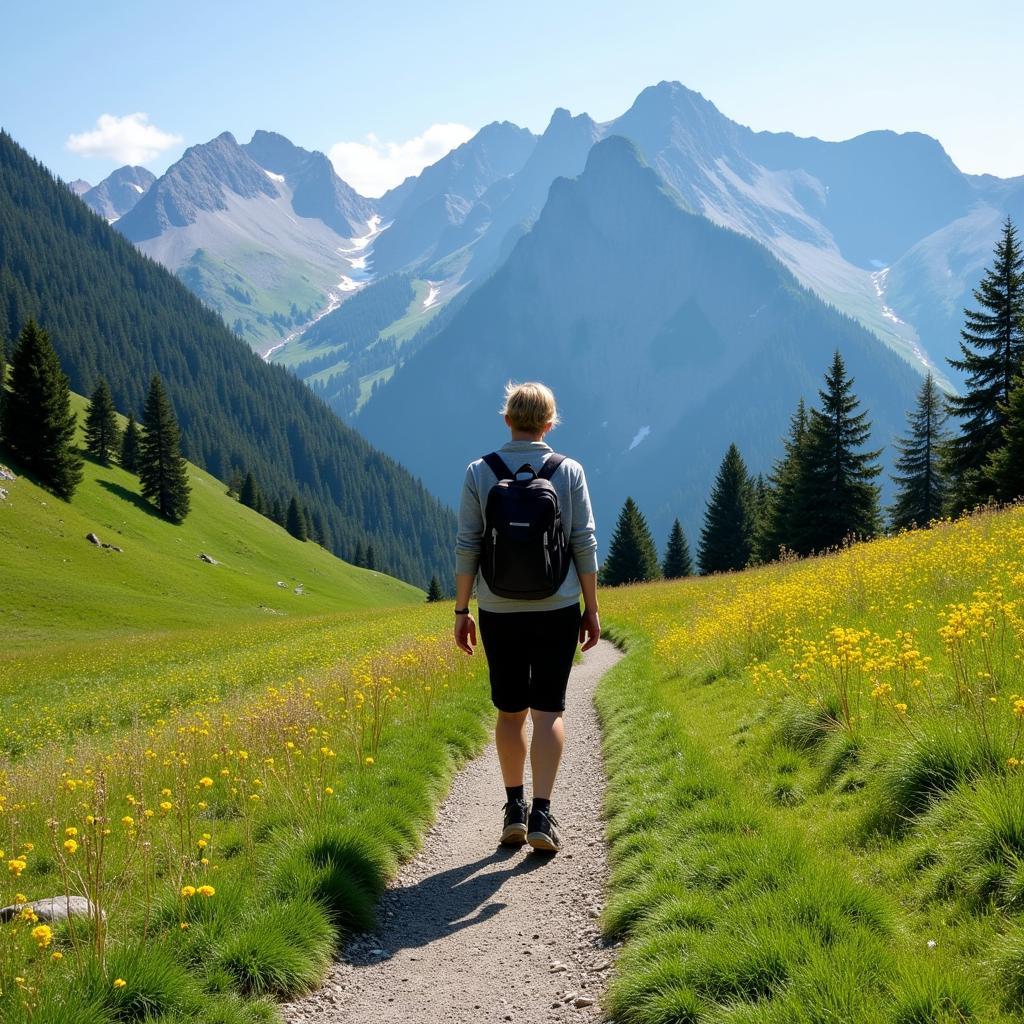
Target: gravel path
x,y
473,932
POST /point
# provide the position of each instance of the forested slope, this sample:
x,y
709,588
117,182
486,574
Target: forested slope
x,y
114,313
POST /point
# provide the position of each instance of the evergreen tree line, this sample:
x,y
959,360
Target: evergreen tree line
x,y
289,512
822,492
38,427
114,314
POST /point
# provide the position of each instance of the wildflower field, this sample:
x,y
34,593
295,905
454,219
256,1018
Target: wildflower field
x,y
232,799
816,802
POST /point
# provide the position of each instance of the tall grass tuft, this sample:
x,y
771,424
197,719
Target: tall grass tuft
x,y
283,950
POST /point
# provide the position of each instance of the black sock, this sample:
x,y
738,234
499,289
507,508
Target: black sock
x,y
540,804
513,793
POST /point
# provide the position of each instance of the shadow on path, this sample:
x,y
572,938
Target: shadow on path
x,y
440,905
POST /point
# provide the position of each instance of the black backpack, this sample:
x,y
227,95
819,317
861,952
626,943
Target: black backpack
x,y
524,553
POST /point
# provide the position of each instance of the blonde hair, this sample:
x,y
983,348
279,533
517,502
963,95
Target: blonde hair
x,y
530,406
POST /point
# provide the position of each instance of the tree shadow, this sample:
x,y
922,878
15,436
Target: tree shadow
x,y
447,902
10,460
130,496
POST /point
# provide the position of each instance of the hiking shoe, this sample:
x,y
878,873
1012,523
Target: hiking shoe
x,y
514,831
541,832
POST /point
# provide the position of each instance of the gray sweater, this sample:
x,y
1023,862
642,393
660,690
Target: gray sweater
x,y
573,500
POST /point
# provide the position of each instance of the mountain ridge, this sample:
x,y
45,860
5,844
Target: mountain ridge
x,y
643,358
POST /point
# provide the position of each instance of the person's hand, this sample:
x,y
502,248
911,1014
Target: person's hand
x,y
465,633
590,629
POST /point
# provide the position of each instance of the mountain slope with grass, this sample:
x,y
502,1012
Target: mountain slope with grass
x,y
815,789
58,584
113,313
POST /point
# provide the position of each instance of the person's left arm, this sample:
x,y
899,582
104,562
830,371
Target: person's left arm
x,y
467,560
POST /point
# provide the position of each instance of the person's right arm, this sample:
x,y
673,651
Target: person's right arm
x,y
583,541
590,624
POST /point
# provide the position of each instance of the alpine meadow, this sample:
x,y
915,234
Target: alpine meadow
x,y
698,700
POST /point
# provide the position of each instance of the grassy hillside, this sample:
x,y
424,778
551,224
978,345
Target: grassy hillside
x,y
235,802
129,318
816,806
58,587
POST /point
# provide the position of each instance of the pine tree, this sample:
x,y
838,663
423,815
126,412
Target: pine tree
x,y
250,493
1005,467
130,446
778,523
921,479
359,557
3,382
278,513
836,498
235,483
434,594
371,557
632,557
163,473
316,529
993,354
102,436
296,520
38,424
727,539
677,562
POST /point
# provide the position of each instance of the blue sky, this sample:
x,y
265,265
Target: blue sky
x,y
419,76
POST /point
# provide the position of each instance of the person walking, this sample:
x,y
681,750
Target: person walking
x,y
526,539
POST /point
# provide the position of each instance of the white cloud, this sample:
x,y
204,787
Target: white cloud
x,y
373,166
128,140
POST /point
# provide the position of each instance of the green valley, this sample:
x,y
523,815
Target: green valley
x,y
59,585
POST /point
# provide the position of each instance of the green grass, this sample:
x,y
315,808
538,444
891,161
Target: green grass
x,y
732,911
60,588
771,863
415,316
294,873
272,284
127,677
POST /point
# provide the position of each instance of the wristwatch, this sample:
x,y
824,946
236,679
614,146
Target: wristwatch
x,y
461,611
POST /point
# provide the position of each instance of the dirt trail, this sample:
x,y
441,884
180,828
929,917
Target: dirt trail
x,y
473,932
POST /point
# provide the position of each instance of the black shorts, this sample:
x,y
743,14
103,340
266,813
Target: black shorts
x,y
529,655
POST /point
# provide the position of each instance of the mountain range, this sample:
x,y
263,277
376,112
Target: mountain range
x,y
664,336
877,242
882,226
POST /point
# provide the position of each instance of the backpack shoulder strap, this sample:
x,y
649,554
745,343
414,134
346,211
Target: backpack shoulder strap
x,y
551,463
498,467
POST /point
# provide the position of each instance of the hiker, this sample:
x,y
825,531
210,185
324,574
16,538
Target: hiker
x,y
526,538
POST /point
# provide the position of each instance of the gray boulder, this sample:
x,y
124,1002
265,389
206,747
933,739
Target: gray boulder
x,y
93,539
209,559
52,909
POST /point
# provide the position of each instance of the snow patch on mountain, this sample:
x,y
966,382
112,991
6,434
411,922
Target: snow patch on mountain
x,y
373,229
274,177
432,295
878,280
638,437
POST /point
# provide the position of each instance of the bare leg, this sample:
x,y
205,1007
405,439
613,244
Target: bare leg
x,y
546,750
510,739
